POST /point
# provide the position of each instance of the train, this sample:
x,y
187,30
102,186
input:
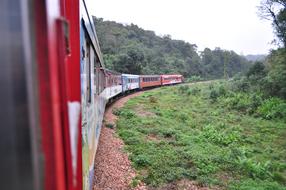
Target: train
x,y
54,89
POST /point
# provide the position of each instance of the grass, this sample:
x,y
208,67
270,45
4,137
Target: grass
x,y
193,134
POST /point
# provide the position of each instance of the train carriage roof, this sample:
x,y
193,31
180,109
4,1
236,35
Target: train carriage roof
x,y
130,75
149,76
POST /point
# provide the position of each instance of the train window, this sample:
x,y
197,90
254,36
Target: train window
x,y
88,70
101,81
94,77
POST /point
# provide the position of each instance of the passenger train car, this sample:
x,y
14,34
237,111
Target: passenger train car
x,y
171,79
129,82
150,81
54,89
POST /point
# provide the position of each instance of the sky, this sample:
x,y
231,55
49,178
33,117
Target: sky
x,y
228,24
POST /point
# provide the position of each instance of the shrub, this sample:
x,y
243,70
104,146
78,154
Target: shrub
x,y
168,133
153,99
241,85
211,86
134,183
213,95
257,70
110,125
183,89
219,137
250,184
272,108
194,91
254,169
126,113
116,111
141,161
238,101
221,90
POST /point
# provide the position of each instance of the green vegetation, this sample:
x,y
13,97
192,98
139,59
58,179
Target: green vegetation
x,y
130,49
230,135
213,133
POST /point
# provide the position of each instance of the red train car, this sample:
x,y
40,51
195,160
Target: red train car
x,y
149,81
171,79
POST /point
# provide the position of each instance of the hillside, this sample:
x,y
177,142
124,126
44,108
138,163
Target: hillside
x,y
131,49
258,57
209,134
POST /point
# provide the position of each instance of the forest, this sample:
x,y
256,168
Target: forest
x,y
131,49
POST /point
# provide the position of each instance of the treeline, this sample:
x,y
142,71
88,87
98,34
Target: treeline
x,y
130,49
268,78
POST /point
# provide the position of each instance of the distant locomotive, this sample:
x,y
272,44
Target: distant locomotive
x,y
55,89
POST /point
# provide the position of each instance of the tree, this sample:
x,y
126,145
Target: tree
x,y
276,77
131,62
257,68
275,10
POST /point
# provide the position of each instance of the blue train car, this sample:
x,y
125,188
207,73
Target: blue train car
x,y
129,82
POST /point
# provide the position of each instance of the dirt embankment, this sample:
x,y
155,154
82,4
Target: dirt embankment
x,y
113,170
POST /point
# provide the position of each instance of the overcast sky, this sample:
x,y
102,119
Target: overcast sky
x,y
228,24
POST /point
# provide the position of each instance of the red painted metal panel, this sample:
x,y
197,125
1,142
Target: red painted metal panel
x,y
48,59
71,12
